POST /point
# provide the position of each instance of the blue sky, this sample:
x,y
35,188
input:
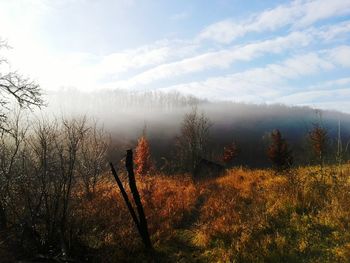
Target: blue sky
x,y
292,52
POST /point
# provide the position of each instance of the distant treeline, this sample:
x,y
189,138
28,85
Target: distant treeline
x,y
125,115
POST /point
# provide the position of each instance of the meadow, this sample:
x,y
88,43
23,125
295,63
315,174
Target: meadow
x,y
244,216
59,201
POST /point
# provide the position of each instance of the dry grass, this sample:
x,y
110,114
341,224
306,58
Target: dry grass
x,y
245,216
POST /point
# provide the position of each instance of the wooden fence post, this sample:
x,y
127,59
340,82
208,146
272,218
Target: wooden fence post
x,y
129,164
126,198
139,218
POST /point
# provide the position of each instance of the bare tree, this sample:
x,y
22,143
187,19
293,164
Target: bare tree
x,y
11,146
92,161
15,87
43,169
192,144
46,178
56,151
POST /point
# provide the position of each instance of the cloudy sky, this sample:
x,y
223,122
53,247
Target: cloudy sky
x,y
293,52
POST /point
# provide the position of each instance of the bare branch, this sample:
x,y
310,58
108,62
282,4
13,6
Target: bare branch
x,y
25,92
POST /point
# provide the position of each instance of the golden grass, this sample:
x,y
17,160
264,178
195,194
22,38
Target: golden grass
x,y
244,216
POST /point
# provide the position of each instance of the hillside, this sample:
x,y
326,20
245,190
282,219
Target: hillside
x,y
126,114
59,201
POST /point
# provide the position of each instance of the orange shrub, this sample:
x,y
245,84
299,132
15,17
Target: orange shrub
x,y
106,222
142,158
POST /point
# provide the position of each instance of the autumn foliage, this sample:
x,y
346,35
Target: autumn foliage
x,y
56,188
230,153
142,159
245,216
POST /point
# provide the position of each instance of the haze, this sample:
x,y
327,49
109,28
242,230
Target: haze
x,y
290,52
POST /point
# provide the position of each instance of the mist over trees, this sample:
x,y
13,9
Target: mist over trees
x,y
124,115
103,160
55,192
56,195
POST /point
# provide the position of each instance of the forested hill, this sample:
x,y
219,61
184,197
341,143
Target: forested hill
x,y
125,114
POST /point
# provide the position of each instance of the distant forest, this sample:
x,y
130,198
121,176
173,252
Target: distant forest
x,y
126,115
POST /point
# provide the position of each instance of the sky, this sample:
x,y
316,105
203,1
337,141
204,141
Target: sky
x,y
290,52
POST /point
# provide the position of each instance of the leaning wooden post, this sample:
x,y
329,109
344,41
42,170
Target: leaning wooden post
x,y
129,164
126,200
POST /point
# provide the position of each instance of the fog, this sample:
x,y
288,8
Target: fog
x,y
125,115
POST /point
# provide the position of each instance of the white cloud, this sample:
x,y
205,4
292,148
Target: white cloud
x,y
297,13
341,55
311,96
223,31
131,59
266,83
219,59
88,71
337,82
332,32
332,94
313,11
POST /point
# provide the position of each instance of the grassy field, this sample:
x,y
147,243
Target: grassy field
x,y
244,216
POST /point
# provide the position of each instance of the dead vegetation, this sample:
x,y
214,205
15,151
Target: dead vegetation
x,y
245,216
59,202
